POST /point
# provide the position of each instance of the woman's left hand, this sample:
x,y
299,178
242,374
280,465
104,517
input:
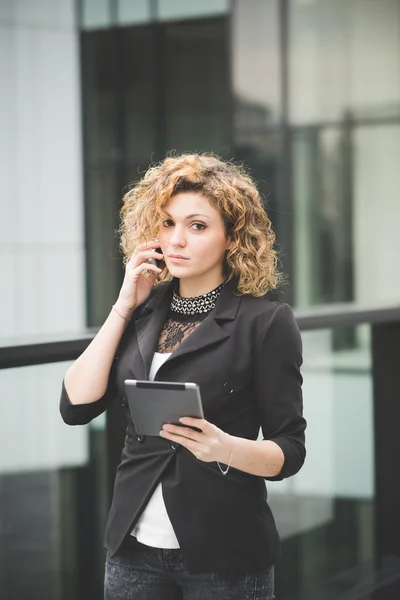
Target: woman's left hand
x,y
210,444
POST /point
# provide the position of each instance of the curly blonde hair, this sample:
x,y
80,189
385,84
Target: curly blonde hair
x,y
251,258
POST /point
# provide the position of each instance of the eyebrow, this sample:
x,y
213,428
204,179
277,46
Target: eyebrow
x,y
192,215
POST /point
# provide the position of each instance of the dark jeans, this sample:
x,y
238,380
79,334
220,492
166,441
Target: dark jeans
x,y
138,572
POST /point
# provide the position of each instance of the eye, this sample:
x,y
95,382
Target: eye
x,y
199,225
164,223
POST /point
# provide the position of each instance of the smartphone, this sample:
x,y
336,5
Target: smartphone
x,y
155,261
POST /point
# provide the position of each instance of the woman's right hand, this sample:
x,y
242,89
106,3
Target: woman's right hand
x,y
136,287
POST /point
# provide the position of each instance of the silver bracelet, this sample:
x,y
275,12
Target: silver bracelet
x,y
229,464
118,313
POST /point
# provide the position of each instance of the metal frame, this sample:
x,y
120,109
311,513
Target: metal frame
x,y
386,393
38,351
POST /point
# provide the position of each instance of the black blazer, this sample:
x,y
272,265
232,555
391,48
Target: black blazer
x,y
246,357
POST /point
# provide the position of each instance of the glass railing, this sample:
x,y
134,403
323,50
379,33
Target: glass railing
x,y
54,494
334,517
325,514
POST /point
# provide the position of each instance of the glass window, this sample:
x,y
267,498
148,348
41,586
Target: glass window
x,y
98,14
95,14
197,86
323,216
54,492
134,12
181,9
344,108
325,515
376,205
343,56
346,214
103,155
139,98
256,63
256,103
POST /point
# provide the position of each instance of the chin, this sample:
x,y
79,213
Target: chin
x,y
180,271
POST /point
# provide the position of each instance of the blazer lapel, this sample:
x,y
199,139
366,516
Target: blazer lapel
x,y
148,328
210,331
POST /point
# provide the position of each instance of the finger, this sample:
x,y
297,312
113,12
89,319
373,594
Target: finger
x,y
151,254
145,255
144,246
183,441
147,245
147,267
195,422
184,431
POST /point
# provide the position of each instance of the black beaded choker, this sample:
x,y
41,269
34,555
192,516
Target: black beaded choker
x,y
197,304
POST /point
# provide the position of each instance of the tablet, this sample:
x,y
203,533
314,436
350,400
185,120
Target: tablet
x,y
154,403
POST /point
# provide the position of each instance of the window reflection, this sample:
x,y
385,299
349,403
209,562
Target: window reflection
x,y
344,56
54,492
325,514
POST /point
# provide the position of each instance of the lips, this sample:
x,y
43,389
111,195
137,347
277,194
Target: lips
x,y
177,256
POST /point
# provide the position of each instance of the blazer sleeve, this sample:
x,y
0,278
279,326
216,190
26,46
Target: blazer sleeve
x,y
278,389
81,414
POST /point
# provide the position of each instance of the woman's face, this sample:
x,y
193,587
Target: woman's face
x,y
195,231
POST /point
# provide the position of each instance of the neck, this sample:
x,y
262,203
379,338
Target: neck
x,y
190,288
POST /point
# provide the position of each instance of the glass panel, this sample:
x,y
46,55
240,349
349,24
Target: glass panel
x,y
103,160
53,492
323,228
325,514
101,76
181,9
197,86
256,76
339,173
96,14
140,96
344,57
134,12
256,83
376,185
104,276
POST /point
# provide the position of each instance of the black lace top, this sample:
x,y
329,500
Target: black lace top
x,y
184,315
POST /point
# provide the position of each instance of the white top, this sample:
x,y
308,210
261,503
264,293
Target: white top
x,y
158,359
154,527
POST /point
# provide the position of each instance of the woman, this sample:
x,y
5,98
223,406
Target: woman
x,y
189,517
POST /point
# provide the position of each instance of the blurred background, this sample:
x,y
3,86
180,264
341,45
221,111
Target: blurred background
x,y
306,93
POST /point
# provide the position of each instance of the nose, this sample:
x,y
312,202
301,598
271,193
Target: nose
x,y
178,237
